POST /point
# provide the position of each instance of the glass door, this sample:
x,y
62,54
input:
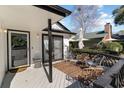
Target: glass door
x,y
46,48
18,45
57,52
58,48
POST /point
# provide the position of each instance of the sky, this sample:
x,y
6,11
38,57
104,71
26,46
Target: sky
x,y
105,17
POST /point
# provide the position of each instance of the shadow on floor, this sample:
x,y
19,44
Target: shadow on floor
x,y
8,79
10,75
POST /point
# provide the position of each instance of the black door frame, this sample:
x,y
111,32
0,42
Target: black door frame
x,y
53,47
8,30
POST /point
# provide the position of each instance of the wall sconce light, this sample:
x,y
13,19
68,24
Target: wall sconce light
x,y
2,28
5,31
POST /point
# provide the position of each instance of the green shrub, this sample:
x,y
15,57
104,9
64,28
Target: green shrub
x,y
73,45
114,46
122,43
101,45
77,51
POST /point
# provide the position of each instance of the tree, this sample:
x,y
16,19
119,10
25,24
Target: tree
x,y
119,15
86,17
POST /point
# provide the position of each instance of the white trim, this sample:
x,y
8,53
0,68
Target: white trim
x,y
9,41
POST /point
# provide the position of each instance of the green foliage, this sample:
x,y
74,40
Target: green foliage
x,y
101,45
73,45
108,48
114,46
18,42
121,30
122,43
119,15
77,51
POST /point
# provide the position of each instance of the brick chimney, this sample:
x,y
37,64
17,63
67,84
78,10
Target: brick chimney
x,y
108,30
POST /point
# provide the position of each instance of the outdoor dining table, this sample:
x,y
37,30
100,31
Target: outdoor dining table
x,y
85,75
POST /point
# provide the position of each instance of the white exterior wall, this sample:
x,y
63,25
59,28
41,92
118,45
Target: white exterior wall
x,y
27,18
2,55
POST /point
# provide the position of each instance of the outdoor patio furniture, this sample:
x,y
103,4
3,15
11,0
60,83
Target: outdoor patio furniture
x,y
106,79
106,60
37,62
83,75
118,79
89,75
88,71
82,59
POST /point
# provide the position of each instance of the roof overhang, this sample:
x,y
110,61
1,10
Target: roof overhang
x,y
94,35
55,9
61,31
111,39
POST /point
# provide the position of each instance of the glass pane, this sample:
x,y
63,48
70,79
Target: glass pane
x,y
58,48
18,49
46,49
46,54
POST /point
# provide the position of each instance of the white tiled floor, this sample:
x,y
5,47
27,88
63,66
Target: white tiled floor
x,y
36,78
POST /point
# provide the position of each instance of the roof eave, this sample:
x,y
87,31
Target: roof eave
x,y
61,31
62,26
55,9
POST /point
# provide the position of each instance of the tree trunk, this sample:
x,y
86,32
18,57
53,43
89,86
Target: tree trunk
x,y
81,44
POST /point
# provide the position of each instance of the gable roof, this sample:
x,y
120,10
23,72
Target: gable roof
x,y
60,28
55,26
55,9
92,35
120,32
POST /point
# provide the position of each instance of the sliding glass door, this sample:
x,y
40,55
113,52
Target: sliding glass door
x,y
57,44
58,47
46,48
